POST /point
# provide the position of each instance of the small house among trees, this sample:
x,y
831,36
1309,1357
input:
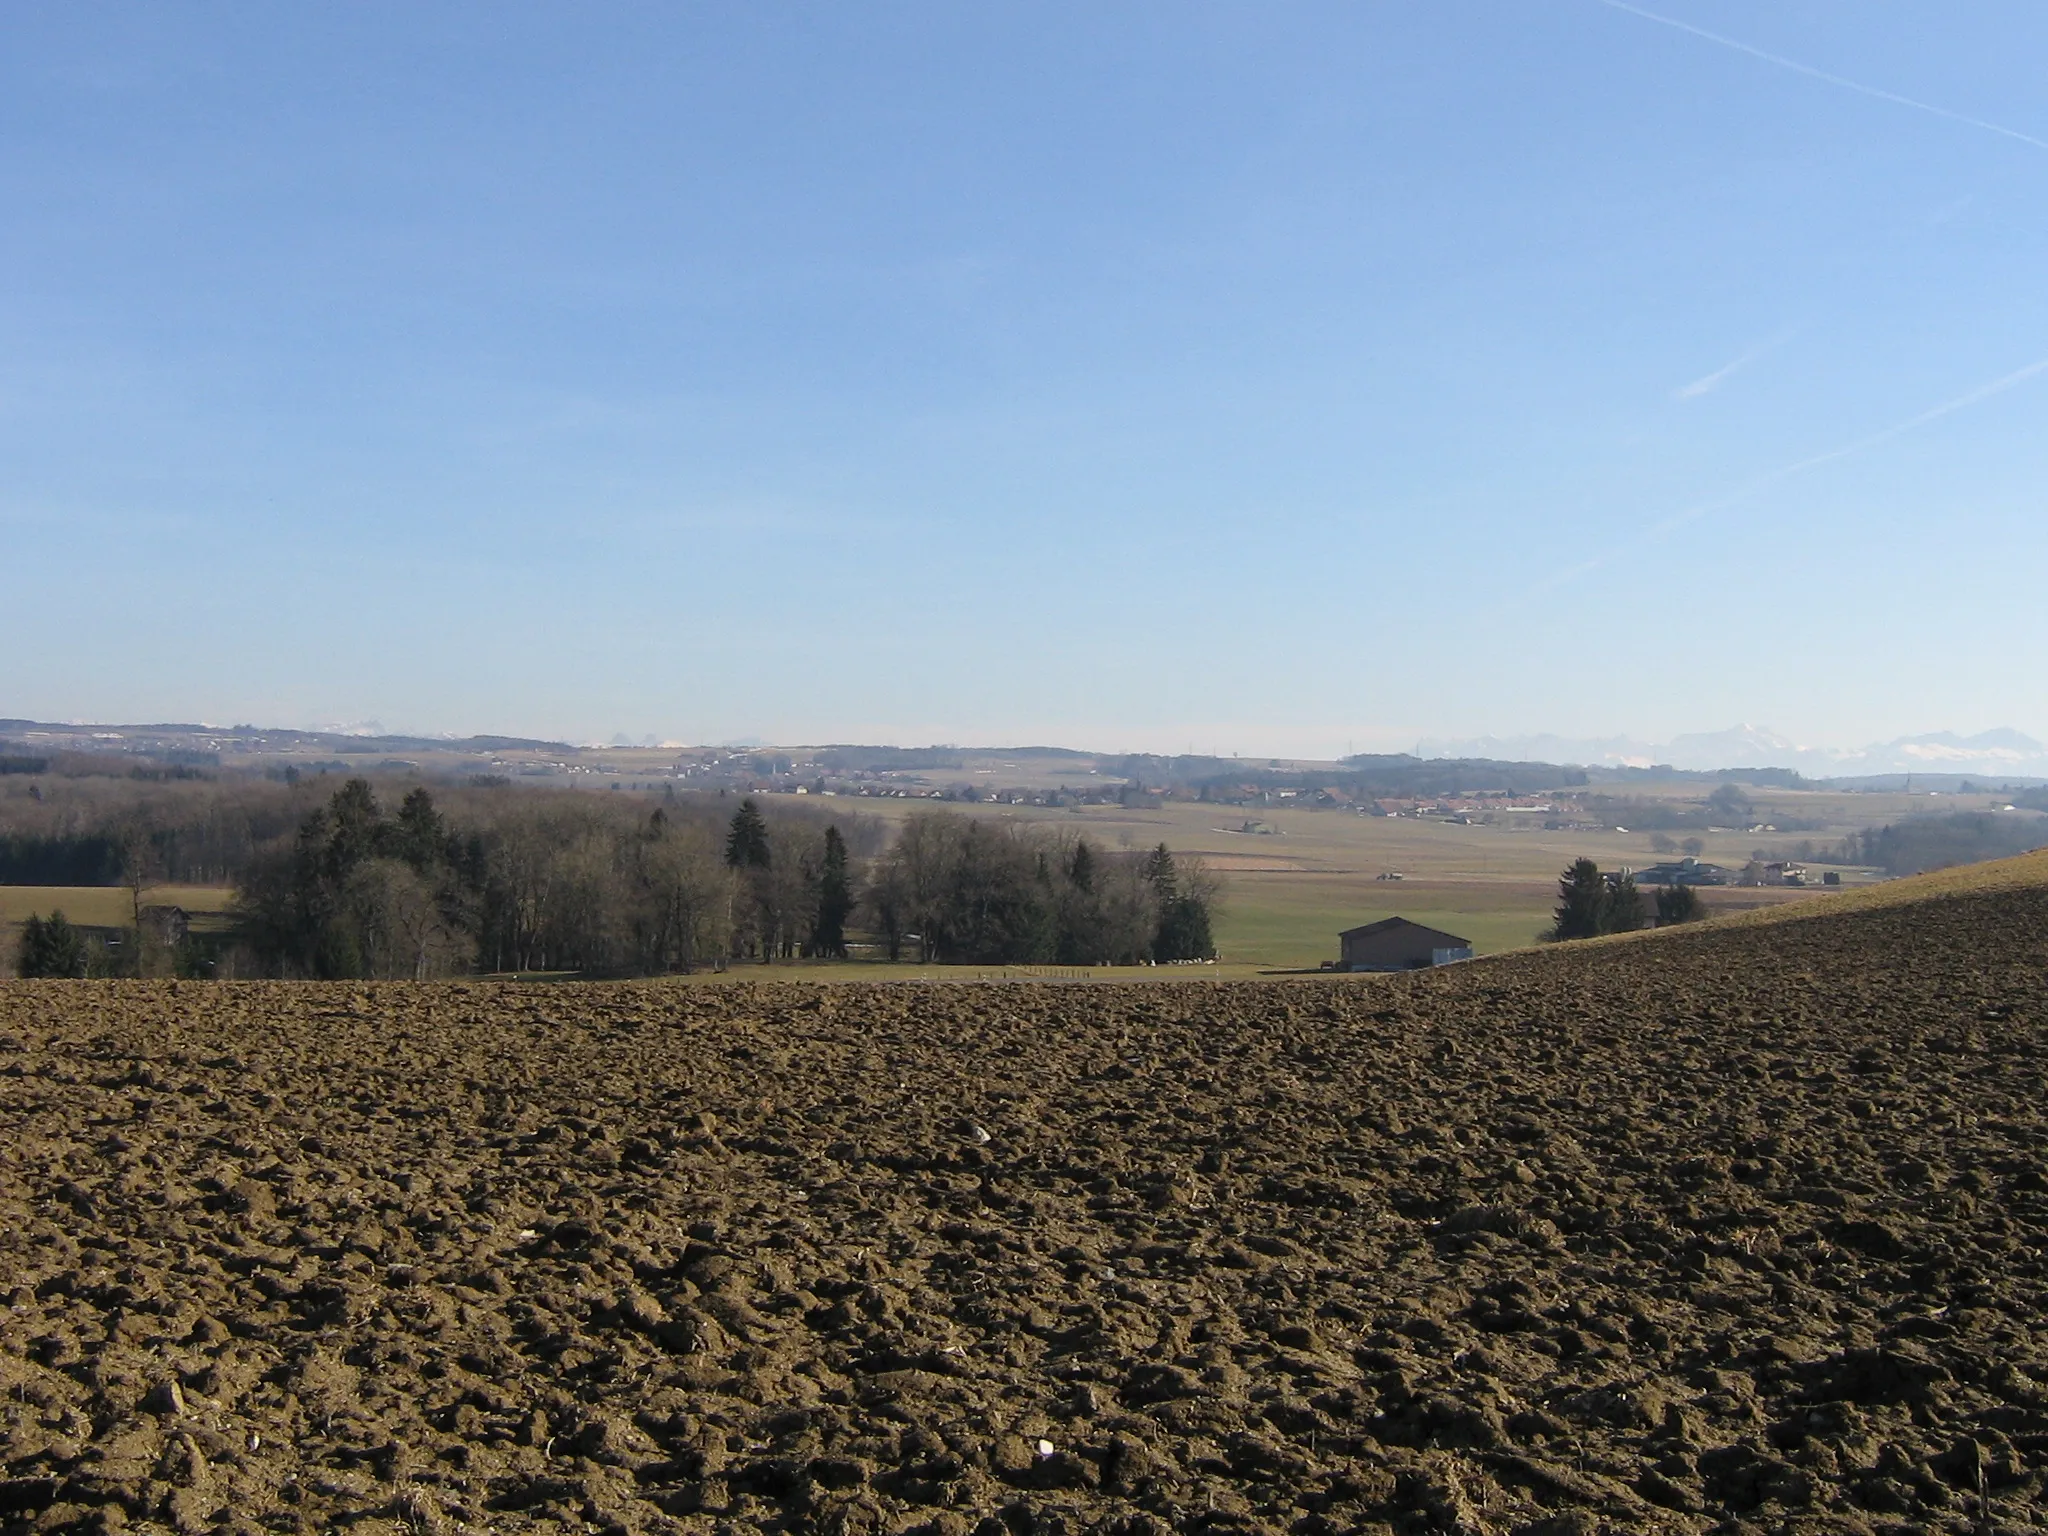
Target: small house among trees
x,y
1396,944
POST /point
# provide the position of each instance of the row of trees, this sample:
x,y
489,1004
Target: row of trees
x,y
794,890
582,883
1921,843
1591,904
545,883
959,888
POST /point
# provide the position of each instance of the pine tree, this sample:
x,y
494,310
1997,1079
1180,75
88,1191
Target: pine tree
x,y
746,843
1582,902
835,900
1184,931
1679,904
359,832
1624,910
51,947
422,836
1160,871
1081,868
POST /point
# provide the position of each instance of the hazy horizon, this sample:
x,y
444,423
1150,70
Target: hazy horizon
x,y
1215,378
1990,752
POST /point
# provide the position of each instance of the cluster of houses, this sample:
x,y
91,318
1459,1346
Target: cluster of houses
x,y
1755,873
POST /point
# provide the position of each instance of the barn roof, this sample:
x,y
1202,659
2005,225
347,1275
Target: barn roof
x,y
1391,924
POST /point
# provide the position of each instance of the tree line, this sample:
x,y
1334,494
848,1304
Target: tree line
x,y
956,888
559,881
102,829
573,885
1922,843
535,883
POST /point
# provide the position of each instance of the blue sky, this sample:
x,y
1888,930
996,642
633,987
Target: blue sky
x,y
1262,378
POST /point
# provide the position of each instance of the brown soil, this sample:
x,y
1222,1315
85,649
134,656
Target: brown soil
x,y
1732,1229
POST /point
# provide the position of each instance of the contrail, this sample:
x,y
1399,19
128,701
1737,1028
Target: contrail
x,y
1743,492
1820,74
1721,375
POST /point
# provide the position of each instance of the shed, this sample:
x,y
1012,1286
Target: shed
x,y
167,925
1396,944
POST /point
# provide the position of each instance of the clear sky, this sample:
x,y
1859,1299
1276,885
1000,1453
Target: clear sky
x,y
1253,377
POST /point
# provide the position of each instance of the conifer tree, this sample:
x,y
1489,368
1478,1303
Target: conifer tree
x,y
1624,908
1160,871
1081,868
51,947
1582,902
357,829
746,843
1679,904
421,836
835,900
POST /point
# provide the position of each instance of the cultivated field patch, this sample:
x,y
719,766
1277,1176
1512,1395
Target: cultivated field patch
x,y
1735,1228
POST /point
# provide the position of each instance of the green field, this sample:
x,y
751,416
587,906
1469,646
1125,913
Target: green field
x,y
1294,920
1289,892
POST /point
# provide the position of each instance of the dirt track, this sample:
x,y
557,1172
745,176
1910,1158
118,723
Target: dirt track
x,y
1735,1229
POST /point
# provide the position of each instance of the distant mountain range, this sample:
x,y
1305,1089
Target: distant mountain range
x,y
1993,754
187,738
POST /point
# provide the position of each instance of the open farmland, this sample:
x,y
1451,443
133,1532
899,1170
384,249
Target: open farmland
x,y
1738,1227
1296,876
1291,889
109,906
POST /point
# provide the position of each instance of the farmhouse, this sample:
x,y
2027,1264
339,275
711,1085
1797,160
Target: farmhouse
x,y
1396,944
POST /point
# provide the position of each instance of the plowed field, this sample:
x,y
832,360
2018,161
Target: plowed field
x,y
1736,1228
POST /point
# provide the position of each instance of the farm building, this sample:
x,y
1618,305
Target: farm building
x,y
1396,944
1687,871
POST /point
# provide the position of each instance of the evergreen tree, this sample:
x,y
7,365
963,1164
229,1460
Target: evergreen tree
x,y
1679,904
1624,913
421,837
1582,902
1078,909
835,900
1184,931
746,843
358,831
1160,871
51,947
747,851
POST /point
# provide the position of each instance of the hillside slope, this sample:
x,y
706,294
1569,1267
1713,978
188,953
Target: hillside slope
x,y
2018,875
1735,1228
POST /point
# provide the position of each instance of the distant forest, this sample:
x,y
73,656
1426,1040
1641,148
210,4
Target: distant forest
x,y
1391,774
1922,843
335,882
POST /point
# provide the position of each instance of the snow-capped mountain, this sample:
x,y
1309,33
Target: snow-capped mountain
x,y
1991,753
